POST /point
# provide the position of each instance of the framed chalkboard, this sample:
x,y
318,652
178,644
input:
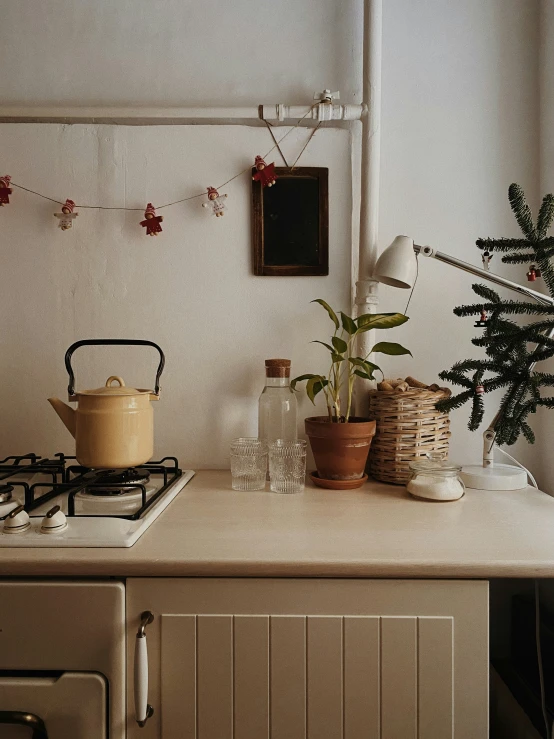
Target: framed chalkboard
x,y
291,223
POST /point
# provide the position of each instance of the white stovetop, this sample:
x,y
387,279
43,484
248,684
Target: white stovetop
x,y
90,530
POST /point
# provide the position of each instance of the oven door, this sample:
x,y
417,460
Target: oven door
x,y
71,705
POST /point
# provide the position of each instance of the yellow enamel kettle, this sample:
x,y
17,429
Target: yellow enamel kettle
x,y
113,426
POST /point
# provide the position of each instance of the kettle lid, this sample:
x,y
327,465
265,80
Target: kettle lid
x,y
117,390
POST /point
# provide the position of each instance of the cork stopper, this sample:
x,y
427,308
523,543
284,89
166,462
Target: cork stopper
x,y
277,367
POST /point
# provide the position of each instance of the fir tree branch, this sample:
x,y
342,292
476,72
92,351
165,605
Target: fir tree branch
x,y
521,258
528,432
503,245
546,215
454,401
540,379
522,211
477,413
483,291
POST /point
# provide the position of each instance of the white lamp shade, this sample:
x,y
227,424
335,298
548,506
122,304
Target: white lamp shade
x,y
397,265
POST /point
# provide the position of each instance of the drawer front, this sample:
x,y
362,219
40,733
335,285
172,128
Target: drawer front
x,y
71,705
305,659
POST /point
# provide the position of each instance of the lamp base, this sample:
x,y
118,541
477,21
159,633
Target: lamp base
x,y
497,477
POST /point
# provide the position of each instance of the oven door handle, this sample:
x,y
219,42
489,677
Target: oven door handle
x,y
30,720
143,709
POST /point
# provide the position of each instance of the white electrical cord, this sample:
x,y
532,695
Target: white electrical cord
x,y
539,659
529,475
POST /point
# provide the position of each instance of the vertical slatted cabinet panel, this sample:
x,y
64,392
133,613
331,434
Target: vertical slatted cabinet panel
x,y
242,666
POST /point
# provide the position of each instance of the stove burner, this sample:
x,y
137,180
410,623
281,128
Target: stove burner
x,y
109,492
5,493
123,477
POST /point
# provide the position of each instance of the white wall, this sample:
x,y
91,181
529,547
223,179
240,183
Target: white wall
x,y
459,124
178,52
190,289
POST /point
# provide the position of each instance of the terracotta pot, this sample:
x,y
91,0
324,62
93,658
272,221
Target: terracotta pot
x,y
340,449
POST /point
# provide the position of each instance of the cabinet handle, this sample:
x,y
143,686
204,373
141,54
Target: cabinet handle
x,y
143,709
30,720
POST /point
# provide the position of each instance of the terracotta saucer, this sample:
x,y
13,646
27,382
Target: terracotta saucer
x,y
337,484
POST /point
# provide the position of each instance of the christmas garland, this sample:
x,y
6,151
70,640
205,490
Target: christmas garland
x,y
262,172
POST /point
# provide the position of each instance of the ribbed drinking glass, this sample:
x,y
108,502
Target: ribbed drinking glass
x,y
248,464
287,466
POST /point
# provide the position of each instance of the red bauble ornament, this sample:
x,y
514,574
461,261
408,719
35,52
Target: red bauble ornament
x,y
479,389
532,274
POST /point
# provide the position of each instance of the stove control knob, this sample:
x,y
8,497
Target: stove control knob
x,y
54,521
17,521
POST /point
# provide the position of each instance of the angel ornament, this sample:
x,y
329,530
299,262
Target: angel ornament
x,y
265,173
215,202
67,216
151,221
5,190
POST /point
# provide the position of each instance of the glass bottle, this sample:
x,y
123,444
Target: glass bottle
x,y
277,404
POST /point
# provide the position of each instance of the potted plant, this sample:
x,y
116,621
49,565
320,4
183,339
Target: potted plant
x,y
340,442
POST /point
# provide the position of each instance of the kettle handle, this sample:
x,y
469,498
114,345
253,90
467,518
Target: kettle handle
x,y
111,342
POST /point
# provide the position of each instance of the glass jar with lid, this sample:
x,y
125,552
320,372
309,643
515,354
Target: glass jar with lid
x,y
435,478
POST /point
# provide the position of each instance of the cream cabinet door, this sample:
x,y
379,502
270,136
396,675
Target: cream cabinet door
x,y
312,659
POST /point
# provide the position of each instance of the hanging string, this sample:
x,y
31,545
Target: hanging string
x,y
190,197
413,288
305,145
270,129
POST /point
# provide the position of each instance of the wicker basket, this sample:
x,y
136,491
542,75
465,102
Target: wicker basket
x,y
408,427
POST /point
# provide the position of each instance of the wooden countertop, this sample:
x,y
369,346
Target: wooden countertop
x,y
377,531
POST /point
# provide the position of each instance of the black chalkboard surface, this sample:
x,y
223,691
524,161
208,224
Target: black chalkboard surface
x,y
291,223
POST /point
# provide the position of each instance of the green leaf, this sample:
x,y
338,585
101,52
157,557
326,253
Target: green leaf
x,y
366,366
348,324
390,347
363,374
336,357
315,386
380,320
330,311
339,344
300,378
327,346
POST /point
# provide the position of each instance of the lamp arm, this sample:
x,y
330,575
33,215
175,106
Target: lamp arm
x,y
427,251
489,436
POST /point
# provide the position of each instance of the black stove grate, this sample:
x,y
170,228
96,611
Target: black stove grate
x,y
71,479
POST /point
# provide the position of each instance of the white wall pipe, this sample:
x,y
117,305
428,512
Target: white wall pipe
x,y
366,299
143,116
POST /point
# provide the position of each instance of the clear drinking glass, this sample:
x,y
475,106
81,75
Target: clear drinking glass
x,y
248,464
287,466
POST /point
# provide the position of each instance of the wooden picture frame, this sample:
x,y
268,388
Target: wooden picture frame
x,y
291,223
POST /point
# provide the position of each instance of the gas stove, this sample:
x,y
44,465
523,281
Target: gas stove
x,y
57,503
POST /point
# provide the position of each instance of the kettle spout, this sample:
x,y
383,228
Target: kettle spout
x,y
65,412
